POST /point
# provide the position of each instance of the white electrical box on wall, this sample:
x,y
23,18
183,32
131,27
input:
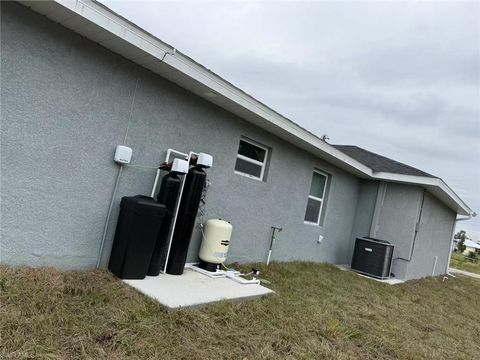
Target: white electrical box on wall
x,y
123,154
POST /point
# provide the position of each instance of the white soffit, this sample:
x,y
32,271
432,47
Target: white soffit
x,y
101,25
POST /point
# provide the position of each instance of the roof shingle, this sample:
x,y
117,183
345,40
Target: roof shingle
x,y
379,163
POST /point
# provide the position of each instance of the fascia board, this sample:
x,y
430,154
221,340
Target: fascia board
x,y
425,181
148,44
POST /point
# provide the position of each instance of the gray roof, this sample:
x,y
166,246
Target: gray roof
x,y
379,163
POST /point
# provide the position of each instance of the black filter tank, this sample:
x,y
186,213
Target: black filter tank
x,y
187,213
168,194
139,222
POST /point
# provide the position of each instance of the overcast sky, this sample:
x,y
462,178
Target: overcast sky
x,y
400,79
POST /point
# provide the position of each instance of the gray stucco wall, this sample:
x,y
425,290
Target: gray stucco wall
x,y
365,208
396,222
433,240
66,104
402,207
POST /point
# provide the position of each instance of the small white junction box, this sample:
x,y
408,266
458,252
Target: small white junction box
x,y
123,154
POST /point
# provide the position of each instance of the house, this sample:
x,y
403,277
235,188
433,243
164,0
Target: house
x,y
471,246
78,79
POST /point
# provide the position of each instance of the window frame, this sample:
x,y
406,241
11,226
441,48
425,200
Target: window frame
x,y
263,164
321,200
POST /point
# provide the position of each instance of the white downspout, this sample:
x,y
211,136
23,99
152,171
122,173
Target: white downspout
x,y
473,214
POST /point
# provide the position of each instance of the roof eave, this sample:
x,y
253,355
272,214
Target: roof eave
x,y
100,24
446,195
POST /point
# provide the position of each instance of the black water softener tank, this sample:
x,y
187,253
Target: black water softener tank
x,y
168,195
137,229
187,213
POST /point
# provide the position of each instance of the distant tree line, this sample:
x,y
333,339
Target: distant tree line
x,y
461,236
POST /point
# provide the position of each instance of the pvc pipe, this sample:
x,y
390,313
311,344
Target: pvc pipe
x,y
105,228
172,226
155,182
140,166
269,254
173,151
434,265
167,159
272,242
177,207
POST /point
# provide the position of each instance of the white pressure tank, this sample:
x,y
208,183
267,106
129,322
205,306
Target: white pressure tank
x,y
215,242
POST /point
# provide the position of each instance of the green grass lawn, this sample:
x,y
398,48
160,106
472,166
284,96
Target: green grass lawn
x,y
460,262
318,312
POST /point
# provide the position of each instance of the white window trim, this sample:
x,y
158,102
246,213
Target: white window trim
x,y
263,164
246,158
317,223
248,176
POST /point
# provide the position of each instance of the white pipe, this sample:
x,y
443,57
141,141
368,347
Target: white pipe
x,y
155,182
172,151
177,207
269,254
473,214
167,159
141,166
272,242
105,228
434,265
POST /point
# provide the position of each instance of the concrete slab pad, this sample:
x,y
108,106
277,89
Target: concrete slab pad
x,y
193,289
391,281
465,273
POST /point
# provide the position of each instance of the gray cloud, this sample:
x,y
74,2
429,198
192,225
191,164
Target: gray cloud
x,y
416,64
398,78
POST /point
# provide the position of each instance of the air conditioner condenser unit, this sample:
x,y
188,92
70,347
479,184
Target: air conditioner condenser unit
x,y
372,257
